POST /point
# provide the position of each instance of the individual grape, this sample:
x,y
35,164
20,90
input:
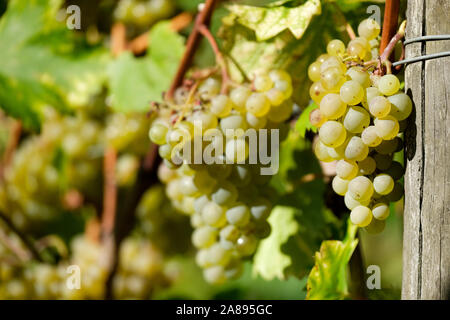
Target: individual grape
x,y
387,128
367,166
218,255
376,226
396,170
255,122
380,211
332,79
215,275
322,57
335,48
361,216
356,119
346,169
240,176
275,96
388,84
316,118
332,133
281,113
333,62
236,150
359,75
332,107
401,106
379,106
229,233
351,92
314,71
262,83
285,86
204,237
225,194
232,124
388,146
246,244
238,215
383,184
239,97
258,104
351,203
356,149
370,93
383,161
221,105
317,92
321,152
204,120
356,49
209,88
279,75
214,215
260,209
158,133
360,188
339,185
369,136
368,29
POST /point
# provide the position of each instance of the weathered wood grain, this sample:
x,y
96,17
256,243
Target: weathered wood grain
x,y
426,246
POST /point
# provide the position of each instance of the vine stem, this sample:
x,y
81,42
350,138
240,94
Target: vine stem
x,y
219,57
34,253
391,45
202,19
390,22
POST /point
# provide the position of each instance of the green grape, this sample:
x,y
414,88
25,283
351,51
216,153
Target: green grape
x,y
239,97
236,150
321,152
263,83
379,107
359,75
233,123
221,106
351,203
356,119
281,113
214,215
370,138
376,226
317,92
215,275
332,107
396,194
351,92
158,133
388,84
388,146
335,48
380,211
367,166
339,185
225,194
383,161
246,244
316,118
229,233
356,149
387,128
332,79
255,122
368,29
218,255
361,216
401,106
332,134
260,209
346,169
383,184
314,71
360,188
258,104
396,170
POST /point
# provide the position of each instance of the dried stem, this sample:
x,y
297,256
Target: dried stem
x,y
118,38
140,44
390,22
110,191
350,31
202,19
27,242
219,57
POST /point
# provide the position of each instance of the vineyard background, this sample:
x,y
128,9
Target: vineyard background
x,y
80,93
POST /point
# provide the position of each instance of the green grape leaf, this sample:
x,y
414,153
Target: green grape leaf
x,y
135,82
268,22
303,123
300,210
269,260
44,62
328,277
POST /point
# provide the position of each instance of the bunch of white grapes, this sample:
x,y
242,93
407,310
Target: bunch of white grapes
x,y
140,270
227,200
360,118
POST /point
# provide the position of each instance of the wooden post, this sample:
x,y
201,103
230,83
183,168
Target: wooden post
x,y
426,245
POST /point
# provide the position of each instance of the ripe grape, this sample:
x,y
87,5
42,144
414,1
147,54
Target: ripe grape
x,y
332,133
388,84
361,216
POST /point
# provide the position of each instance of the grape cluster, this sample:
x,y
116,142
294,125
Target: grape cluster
x,y
143,12
360,116
227,199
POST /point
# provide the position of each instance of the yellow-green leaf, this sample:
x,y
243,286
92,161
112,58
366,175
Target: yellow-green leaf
x,y
328,277
268,22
